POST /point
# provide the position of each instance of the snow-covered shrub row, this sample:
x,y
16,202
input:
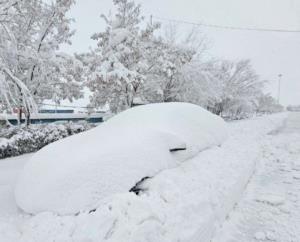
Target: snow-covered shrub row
x,y
20,140
293,108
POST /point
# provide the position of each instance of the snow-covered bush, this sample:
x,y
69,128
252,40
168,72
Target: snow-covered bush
x,y
20,140
293,108
77,173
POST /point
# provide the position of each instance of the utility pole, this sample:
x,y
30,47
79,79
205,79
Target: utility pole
x,y
279,87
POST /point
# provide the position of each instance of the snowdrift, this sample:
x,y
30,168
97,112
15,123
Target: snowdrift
x,y
75,174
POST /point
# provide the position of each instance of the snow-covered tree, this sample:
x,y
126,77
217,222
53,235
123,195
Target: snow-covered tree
x,y
13,92
198,83
5,8
267,104
226,88
165,80
118,66
236,87
29,54
170,55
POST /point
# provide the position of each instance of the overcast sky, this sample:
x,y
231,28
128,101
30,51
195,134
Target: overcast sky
x,y
271,53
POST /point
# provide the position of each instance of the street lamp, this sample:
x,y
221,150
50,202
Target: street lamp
x,y
279,86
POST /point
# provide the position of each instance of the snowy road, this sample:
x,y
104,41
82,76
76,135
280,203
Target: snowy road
x,y
270,207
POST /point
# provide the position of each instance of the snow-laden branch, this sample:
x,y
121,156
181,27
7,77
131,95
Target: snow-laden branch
x,y
27,99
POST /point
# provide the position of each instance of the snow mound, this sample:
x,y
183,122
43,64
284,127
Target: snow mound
x,y
76,173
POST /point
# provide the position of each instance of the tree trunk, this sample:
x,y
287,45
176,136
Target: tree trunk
x,y
27,115
20,116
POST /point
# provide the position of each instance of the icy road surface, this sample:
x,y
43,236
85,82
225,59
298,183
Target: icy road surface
x,y
270,207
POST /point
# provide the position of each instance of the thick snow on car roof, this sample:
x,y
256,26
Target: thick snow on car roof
x,y
76,173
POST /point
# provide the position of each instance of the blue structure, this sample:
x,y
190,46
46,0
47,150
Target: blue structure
x,y
56,111
46,117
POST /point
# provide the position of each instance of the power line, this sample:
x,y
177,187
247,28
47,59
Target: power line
x,y
226,26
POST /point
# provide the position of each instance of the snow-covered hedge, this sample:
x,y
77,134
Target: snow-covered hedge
x,y
77,173
16,141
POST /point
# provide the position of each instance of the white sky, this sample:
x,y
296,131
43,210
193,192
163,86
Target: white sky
x,y
271,53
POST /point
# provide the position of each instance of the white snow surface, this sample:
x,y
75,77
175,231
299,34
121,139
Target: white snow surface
x,y
184,204
75,174
9,171
269,208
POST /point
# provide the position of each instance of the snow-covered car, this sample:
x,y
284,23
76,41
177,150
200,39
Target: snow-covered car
x,y
75,174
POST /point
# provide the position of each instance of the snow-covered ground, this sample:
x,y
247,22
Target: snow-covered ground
x,y
9,171
270,207
189,202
